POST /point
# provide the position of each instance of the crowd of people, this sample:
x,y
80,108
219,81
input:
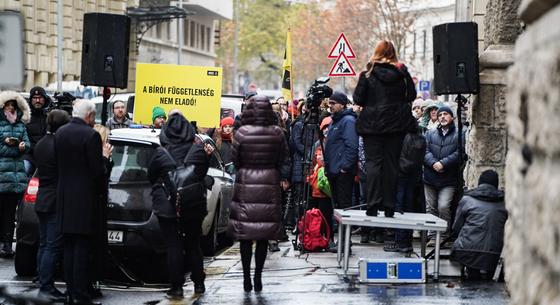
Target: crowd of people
x,y
387,151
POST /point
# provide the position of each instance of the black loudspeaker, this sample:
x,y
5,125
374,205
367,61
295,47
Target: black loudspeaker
x,y
105,50
456,58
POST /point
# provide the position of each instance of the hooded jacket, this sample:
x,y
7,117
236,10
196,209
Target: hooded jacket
x,y
259,149
479,225
12,171
37,126
385,95
341,147
177,136
424,121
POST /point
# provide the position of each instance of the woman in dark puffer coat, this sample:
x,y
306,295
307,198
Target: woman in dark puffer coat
x,y
259,149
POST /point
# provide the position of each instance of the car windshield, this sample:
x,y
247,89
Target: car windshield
x,y
130,162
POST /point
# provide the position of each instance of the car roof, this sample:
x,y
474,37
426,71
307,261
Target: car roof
x,y
137,135
144,135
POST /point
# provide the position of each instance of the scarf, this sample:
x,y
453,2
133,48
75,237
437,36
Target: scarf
x,y
11,117
226,137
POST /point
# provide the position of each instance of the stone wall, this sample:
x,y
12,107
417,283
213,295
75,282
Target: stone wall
x,y
533,160
487,142
40,26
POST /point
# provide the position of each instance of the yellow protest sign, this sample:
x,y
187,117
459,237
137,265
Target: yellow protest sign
x,y
195,91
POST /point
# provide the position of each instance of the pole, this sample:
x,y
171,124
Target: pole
x,y
59,46
106,95
235,49
179,35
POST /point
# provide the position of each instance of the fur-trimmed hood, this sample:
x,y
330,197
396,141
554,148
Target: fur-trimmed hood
x,y
24,113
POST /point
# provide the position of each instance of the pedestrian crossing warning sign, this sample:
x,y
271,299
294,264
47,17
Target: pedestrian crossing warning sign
x,y
341,46
342,67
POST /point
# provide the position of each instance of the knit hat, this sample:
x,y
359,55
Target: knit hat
x,y
157,112
445,109
226,121
489,177
339,97
417,103
326,121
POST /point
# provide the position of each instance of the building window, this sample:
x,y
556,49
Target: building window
x,y
159,29
186,32
197,40
202,37
168,30
414,43
424,45
192,34
209,39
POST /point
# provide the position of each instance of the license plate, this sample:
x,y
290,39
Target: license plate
x,y
115,236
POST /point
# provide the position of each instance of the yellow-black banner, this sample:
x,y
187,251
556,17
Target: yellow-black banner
x,y
287,76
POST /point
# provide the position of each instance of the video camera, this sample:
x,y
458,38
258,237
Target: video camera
x,y
63,101
317,92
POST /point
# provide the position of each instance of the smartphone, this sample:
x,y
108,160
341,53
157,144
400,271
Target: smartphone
x,y
15,141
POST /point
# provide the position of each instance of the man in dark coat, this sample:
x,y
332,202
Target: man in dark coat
x,y
479,224
50,237
178,138
80,182
341,151
441,167
39,102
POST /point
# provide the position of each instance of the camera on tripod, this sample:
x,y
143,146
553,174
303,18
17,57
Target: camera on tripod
x,y
63,101
317,92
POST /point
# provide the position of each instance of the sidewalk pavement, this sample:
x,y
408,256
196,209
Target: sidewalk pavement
x,y
315,278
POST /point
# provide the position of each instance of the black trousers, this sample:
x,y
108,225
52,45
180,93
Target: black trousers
x,y
182,249
8,204
342,186
382,169
77,259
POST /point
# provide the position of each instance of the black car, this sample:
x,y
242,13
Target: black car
x,y
136,243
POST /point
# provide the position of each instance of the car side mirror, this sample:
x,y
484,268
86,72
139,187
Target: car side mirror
x,y
230,168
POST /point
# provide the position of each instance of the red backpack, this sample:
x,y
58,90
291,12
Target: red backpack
x,y
314,231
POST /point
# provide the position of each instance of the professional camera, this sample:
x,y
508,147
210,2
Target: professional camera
x,y
317,92
63,101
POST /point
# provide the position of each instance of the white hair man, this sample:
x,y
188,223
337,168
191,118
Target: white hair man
x,y
80,183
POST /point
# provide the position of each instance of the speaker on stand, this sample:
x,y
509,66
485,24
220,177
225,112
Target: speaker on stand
x,y
105,46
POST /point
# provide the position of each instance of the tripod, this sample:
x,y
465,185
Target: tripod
x,y
310,134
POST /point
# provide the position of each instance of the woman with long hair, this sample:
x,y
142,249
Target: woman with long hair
x,y
385,91
259,149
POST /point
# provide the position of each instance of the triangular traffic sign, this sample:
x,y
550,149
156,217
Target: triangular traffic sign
x,y
342,67
341,46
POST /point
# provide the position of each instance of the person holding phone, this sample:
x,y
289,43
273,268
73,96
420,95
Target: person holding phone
x,y
14,143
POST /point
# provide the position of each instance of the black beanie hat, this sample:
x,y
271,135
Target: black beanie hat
x,y
339,97
489,177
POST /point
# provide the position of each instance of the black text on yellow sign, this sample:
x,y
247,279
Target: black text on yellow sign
x,y
195,91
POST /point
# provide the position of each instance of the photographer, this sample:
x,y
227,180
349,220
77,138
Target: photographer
x,y
39,102
14,143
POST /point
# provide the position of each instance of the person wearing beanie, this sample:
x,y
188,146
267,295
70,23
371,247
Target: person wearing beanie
x,y
441,167
223,139
158,117
429,119
39,102
341,151
479,227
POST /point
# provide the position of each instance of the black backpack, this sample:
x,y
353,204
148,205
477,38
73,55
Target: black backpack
x,y
185,190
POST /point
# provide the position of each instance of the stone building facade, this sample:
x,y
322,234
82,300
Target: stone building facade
x,y
40,26
533,158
